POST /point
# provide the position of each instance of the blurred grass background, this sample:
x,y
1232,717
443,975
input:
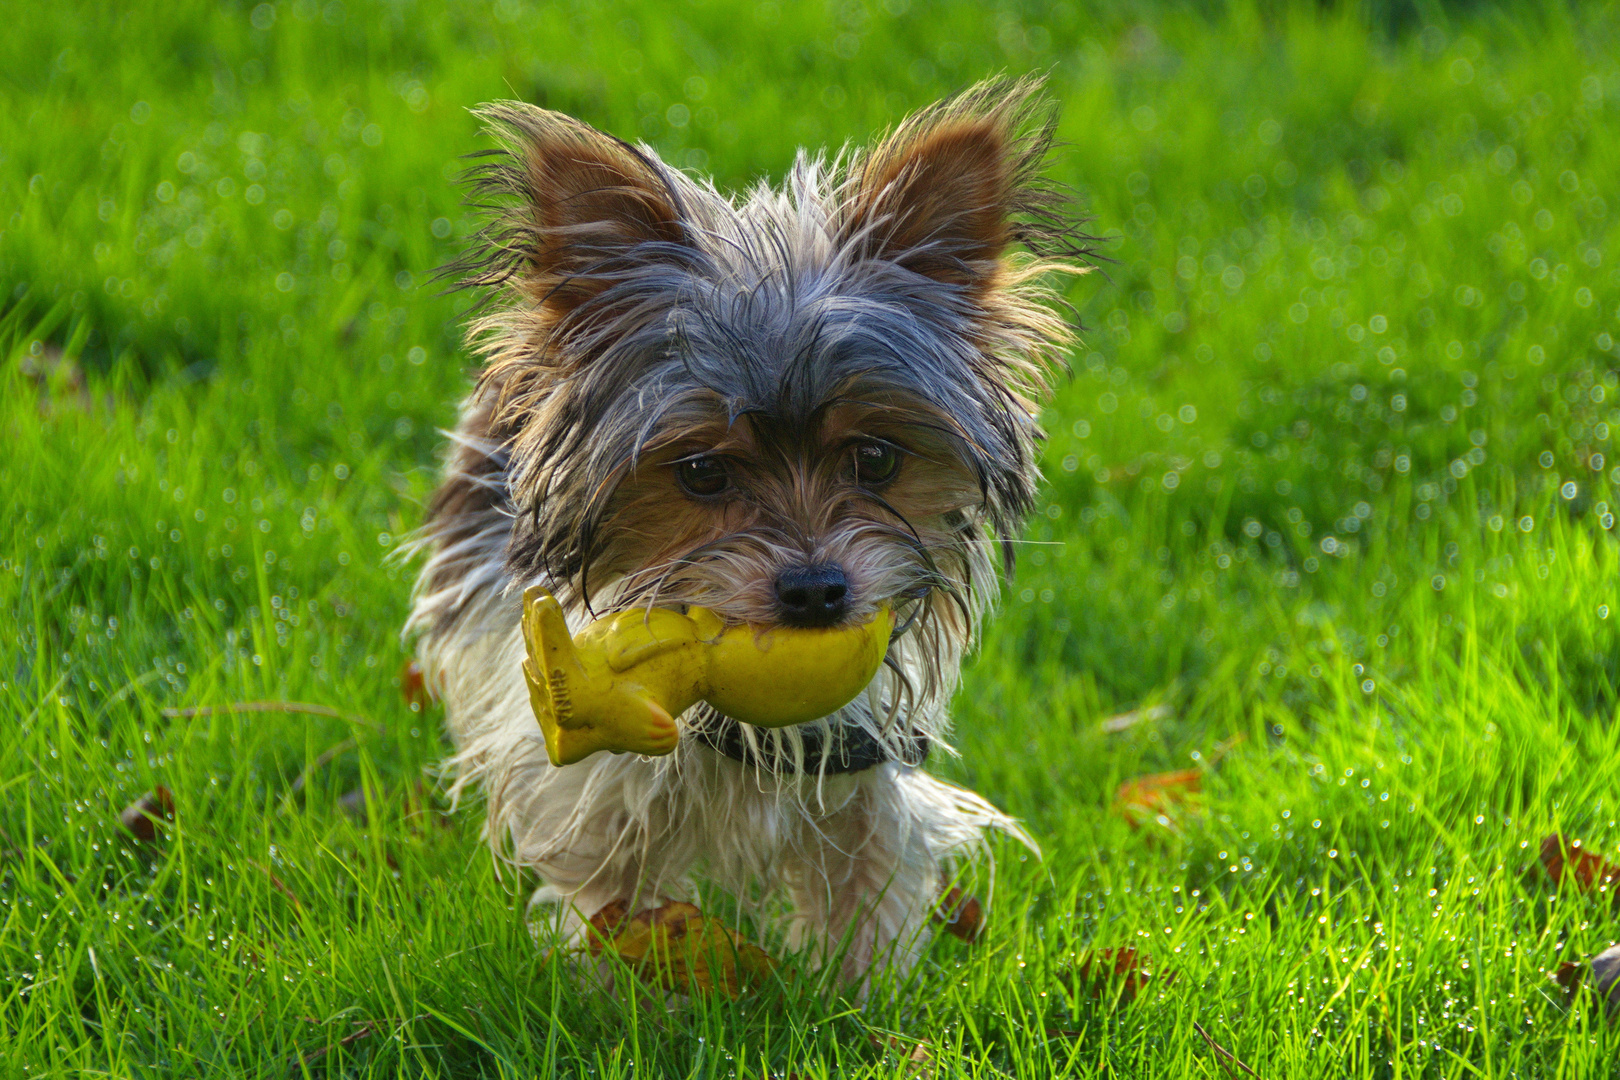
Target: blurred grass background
x,y
1335,473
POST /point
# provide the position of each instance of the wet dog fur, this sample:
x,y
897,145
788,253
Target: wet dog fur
x,y
790,407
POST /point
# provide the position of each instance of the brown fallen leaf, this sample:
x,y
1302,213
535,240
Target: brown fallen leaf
x,y
961,913
1159,797
60,382
1097,972
1569,976
916,1054
140,817
1566,861
1604,972
1606,977
679,947
413,685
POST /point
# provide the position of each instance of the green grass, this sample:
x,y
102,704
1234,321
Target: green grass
x,y
1336,472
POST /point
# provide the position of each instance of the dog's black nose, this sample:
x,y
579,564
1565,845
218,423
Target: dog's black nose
x,y
813,595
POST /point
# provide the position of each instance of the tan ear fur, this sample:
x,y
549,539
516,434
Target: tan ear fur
x,y
939,196
572,204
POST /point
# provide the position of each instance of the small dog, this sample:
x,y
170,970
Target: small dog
x,y
789,408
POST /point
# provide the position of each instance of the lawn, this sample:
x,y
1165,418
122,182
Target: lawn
x,y
1330,519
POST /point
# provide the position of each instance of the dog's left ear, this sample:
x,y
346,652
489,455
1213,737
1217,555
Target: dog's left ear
x,y
948,192
571,211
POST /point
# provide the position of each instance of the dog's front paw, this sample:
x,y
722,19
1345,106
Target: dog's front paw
x,y
678,947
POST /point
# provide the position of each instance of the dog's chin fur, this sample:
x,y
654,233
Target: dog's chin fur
x,y
635,320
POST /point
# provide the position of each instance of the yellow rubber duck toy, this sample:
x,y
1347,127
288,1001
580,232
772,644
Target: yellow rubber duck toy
x,y
620,682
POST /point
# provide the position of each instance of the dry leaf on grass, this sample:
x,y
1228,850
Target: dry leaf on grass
x,y
961,913
679,947
1159,797
1566,861
140,817
1604,972
1118,972
916,1053
1606,977
1569,976
413,685
1105,973
60,382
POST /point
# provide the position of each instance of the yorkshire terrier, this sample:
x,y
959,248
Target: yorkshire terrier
x,y
789,407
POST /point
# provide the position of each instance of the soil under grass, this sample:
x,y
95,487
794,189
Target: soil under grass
x,y
1331,509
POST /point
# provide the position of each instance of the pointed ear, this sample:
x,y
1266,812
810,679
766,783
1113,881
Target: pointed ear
x,y
954,185
572,209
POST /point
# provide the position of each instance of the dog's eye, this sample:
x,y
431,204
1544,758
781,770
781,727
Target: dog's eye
x,y
876,463
702,476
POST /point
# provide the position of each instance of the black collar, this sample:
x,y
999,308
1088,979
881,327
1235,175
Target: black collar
x,y
853,750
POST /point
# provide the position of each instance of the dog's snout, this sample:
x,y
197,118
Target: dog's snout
x,y
813,595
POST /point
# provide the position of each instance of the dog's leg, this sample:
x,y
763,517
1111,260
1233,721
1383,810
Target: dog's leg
x,y
863,879
589,829
601,832
866,878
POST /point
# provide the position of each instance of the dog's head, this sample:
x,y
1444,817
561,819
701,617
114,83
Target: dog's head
x,y
790,407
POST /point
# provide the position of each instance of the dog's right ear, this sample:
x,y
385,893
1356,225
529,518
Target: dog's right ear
x,y
573,210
